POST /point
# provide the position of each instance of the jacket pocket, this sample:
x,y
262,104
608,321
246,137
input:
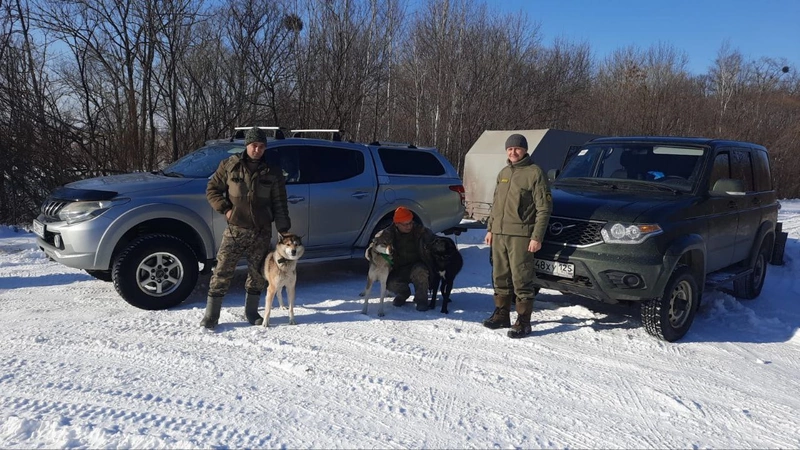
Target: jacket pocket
x,y
237,187
525,205
264,189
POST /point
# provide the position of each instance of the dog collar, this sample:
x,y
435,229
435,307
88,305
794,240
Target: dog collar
x,y
387,258
282,260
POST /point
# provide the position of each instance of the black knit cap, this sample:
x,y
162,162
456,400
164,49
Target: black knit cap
x,y
517,140
255,134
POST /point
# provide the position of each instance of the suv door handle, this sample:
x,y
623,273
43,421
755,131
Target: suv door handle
x,y
295,199
360,194
731,204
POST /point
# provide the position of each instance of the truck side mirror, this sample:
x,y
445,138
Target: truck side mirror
x,y
728,186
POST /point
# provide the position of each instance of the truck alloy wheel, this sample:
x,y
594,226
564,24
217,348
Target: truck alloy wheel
x,y
155,271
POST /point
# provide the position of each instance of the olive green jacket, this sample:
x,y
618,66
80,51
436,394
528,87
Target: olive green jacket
x,y
409,248
255,199
522,201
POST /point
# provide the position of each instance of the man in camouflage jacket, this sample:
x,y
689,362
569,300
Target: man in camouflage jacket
x,y
515,230
409,241
252,195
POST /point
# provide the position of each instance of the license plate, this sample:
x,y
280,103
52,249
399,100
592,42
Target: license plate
x,y
559,269
38,228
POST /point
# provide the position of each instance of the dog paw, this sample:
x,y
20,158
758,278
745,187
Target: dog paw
x,y
292,322
284,307
381,314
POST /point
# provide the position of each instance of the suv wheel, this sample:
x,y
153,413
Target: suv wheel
x,y
155,271
749,287
670,316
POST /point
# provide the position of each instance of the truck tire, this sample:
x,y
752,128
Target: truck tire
x,y
155,271
749,287
670,316
102,275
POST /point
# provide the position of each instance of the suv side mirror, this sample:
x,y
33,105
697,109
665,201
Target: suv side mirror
x,y
728,186
552,174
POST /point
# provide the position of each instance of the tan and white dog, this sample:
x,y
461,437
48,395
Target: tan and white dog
x,y
280,270
379,256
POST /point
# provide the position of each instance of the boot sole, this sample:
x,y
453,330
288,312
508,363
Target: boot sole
x,y
495,326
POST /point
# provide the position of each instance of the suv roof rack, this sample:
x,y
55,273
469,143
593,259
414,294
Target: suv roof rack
x,y
277,132
336,134
393,144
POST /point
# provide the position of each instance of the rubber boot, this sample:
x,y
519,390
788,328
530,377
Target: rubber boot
x,y
251,309
522,327
213,307
500,318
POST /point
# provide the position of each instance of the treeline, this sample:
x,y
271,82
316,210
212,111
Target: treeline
x,y
90,87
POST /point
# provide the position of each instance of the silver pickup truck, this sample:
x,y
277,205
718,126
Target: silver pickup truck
x,y
153,233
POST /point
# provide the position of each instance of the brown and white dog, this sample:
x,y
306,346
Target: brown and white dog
x,y
379,255
280,270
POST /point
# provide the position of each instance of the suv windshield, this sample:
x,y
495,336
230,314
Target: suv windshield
x,y
677,166
202,163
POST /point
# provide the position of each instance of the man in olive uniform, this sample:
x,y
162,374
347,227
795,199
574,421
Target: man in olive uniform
x,y
520,212
408,240
251,194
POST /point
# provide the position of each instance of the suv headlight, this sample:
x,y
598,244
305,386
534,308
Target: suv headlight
x,y
625,233
80,211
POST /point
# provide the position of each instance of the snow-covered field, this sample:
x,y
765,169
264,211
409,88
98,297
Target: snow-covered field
x,y
81,368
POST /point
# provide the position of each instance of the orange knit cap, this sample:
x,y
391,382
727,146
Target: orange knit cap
x,y
402,215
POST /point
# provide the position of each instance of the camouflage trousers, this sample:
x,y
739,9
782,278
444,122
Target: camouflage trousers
x,y
236,243
513,271
416,274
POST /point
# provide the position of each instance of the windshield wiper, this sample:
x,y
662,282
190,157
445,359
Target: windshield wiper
x,y
171,174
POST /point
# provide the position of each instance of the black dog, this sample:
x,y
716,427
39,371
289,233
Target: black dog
x,y
445,262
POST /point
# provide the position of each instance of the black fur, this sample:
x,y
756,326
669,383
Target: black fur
x,y
443,256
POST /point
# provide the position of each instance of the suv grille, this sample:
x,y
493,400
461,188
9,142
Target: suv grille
x,y
573,232
51,208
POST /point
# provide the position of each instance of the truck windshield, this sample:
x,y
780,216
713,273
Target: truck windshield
x,y
678,166
202,163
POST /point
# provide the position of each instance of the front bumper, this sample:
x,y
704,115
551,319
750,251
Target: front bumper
x,y
78,242
607,276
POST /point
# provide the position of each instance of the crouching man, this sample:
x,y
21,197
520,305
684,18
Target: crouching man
x,y
408,240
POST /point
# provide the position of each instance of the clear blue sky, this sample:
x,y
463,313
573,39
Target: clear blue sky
x,y
763,28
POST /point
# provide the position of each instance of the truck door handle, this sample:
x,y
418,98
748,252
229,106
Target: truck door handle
x,y
360,194
295,199
731,205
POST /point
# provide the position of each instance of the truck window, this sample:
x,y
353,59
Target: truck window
x,y
330,164
409,162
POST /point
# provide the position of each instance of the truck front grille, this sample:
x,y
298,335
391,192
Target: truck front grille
x,y
52,207
573,232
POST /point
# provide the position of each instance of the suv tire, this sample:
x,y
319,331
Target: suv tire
x,y
155,271
102,275
670,316
749,287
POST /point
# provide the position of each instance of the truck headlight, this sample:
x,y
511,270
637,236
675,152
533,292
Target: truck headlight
x,y
625,233
80,211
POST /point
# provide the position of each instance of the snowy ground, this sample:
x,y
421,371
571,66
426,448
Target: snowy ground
x,y
81,368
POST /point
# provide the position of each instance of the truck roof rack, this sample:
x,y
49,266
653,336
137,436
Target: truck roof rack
x,y
277,132
393,144
335,134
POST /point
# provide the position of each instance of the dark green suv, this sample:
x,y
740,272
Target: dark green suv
x,y
654,219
